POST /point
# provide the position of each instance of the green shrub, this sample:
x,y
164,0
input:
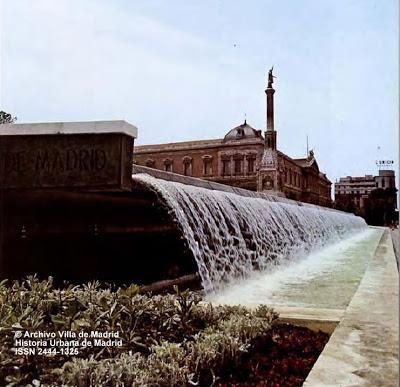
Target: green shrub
x,y
168,340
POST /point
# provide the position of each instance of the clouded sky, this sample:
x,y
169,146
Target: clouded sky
x,y
190,69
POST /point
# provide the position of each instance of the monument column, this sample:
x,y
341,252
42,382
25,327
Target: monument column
x,y
268,174
270,134
270,108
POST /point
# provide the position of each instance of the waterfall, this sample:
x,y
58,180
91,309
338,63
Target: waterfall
x,y
231,236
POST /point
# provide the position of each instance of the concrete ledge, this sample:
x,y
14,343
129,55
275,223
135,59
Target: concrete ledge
x,y
92,127
363,349
316,319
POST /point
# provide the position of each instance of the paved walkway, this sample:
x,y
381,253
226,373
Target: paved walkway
x,y
363,349
396,244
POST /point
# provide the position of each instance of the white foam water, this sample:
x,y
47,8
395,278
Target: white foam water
x,y
326,278
232,236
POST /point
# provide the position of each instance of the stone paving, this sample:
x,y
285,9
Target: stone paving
x,y
396,244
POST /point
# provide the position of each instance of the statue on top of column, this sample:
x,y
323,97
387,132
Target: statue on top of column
x,y
271,77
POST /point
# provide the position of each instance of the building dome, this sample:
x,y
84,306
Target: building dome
x,y
244,131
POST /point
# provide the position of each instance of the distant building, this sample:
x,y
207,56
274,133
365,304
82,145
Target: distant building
x,y
373,197
243,158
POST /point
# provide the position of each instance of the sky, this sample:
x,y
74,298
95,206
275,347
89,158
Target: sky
x,y
188,69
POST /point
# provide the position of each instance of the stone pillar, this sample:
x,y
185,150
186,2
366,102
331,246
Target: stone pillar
x,y
270,134
270,108
268,179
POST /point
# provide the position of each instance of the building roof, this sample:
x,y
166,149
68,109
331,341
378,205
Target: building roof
x,y
241,132
176,145
304,162
323,176
365,179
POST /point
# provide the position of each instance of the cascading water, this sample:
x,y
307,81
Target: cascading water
x,y
231,236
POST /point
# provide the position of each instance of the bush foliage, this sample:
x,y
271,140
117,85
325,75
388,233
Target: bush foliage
x,y
168,340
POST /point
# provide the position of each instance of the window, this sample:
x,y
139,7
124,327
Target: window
x,y
168,165
207,165
238,167
238,163
239,133
383,183
250,165
150,163
186,169
187,166
225,167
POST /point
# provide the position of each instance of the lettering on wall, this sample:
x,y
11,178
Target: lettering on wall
x,y
53,161
66,161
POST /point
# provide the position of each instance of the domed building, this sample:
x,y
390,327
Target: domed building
x,y
243,158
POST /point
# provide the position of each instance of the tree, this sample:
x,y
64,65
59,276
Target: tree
x,y
381,207
6,118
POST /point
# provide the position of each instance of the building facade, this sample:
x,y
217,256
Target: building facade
x,y
244,158
373,197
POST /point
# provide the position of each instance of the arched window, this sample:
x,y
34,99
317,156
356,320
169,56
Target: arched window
x,y
168,165
150,163
187,166
207,165
239,133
